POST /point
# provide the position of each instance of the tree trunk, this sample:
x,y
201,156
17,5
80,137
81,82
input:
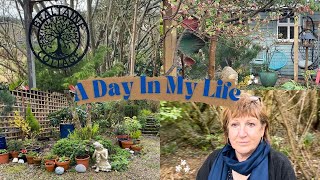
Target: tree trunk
x,y
91,27
27,7
133,41
212,57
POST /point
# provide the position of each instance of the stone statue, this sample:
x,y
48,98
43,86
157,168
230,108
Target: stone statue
x,y
101,156
229,74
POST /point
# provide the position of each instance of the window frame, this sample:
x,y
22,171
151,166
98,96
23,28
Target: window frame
x,y
288,25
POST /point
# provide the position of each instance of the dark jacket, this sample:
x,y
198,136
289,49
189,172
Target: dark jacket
x,y
279,166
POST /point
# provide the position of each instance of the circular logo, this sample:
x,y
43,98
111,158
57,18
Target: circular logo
x,y
59,36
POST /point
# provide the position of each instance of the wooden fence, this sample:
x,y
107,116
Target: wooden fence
x,y
41,103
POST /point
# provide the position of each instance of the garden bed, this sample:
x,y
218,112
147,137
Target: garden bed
x,y
143,166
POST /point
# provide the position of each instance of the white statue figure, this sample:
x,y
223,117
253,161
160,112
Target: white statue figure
x,y
101,155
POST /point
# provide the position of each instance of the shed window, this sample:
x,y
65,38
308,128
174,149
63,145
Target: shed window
x,y
285,27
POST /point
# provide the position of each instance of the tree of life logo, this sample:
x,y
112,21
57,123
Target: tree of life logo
x,y
59,36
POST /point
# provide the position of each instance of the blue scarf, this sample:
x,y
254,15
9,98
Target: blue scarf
x,y
256,165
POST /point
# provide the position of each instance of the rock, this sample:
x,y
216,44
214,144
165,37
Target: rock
x,y
21,161
81,168
15,160
131,151
229,74
59,170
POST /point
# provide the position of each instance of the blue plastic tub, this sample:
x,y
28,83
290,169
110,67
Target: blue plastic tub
x,y
65,130
3,143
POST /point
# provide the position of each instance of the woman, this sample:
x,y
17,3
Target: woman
x,y
247,153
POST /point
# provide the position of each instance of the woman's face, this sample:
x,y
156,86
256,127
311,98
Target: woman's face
x,y
245,134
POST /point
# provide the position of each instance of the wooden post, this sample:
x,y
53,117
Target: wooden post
x,y
170,41
295,49
307,58
212,57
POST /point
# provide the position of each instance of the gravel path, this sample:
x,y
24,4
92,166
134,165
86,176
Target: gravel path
x,y
145,166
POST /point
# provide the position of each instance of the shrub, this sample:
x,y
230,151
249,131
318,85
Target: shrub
x,y
14,145
131,124
32,121
67,147
85,133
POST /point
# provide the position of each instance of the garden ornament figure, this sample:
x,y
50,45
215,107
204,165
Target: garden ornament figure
x,y
101,156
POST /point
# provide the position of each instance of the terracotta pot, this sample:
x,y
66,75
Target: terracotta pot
x,y
4,158
64,164
123,136
50,166
37,161
49,160
30,159
136,148
126,143
14,154
136,141
83,160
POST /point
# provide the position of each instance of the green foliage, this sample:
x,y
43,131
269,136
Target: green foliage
x,y
169,148
85,133
14,145
229,54
142,117
120,129
7,99
136,134
115,71
32,121
66,114
308,140
169,113
131,124
277,143
119,159
32,153
67,147
292,85
3,151
131,110
62,159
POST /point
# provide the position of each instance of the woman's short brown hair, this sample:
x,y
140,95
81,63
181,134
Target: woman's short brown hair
x,y
246,106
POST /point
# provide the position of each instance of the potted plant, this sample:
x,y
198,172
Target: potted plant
x,y
126,143
82,156
37,159
23,155
30,156
49,156
50,165
14,146
268,76
63,162
136,148
4,156
135,136
65,119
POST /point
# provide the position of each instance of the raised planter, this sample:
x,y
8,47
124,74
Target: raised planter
x,y
66,129
84,160
268,79
4,158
